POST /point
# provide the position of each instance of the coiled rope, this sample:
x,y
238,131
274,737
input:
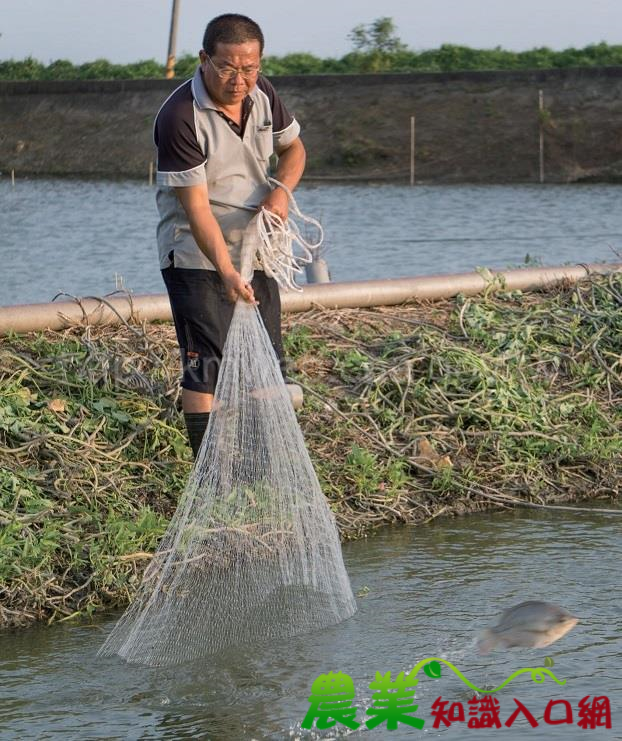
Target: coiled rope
x,y
278,240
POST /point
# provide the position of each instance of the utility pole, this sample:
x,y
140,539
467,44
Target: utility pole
x,y
172,39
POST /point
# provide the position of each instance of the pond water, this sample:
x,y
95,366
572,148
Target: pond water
x,y
75,235
425,591
428,591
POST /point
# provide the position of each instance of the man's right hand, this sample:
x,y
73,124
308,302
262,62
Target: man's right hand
x,y
236,288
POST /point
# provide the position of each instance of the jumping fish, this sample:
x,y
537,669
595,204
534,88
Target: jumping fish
x,y
530,624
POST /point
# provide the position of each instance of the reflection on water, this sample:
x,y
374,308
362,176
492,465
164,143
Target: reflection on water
x,y
430,591
74,235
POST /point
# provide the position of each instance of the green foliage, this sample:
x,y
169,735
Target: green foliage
x,y
368,474
26,69
184,66
376,49
301,63
89,470
376,45
62,69
300,340
351,364
507,392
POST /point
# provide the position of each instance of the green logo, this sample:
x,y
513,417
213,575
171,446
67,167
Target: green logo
x,y
393,699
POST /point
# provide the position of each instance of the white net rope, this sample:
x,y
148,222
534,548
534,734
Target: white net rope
x,y
274,241
252,552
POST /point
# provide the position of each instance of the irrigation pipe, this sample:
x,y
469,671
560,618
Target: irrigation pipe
x,y
361,294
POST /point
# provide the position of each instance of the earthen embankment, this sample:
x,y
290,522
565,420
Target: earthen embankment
x,y
470,126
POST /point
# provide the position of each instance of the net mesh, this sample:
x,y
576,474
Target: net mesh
x,y
252,552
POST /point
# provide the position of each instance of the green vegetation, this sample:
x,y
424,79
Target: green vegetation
x,y
62,69
91,462
410,412
376,48
378,43
505,398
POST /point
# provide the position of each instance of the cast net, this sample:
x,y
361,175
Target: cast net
x,y
252,552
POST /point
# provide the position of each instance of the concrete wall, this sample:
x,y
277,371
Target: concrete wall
x,y
470,126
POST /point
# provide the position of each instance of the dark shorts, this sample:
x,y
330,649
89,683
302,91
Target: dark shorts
x,y
202,315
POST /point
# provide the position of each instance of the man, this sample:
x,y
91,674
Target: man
x,y
215,135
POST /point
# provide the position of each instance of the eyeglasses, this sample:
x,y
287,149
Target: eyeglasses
x,y
230,73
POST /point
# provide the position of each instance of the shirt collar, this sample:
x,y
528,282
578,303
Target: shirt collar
x,y
199,91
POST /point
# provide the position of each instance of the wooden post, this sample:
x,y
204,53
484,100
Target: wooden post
x,y
541,120
150,173
412,150
172,39
13,178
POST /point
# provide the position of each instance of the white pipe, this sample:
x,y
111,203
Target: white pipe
x,y
113,310
61,314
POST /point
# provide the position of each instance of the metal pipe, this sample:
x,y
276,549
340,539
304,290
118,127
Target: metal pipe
x,y
405,290
152,307
89,310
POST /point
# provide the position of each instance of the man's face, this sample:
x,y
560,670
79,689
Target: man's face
x,y
223,86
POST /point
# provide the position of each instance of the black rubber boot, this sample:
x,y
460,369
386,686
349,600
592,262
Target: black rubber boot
x,y
196,424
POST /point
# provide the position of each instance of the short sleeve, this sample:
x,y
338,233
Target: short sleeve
x,y
181,161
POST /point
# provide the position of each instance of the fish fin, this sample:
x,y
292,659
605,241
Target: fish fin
x,y
486,642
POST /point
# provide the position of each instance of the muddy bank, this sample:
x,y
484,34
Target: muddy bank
x,y
470,126
412,412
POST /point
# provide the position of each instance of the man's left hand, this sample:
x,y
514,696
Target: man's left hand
x,y
277,202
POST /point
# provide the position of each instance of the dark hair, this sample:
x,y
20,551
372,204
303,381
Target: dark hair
x,y
231,28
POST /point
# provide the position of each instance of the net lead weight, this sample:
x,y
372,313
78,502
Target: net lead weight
x,y
317,271
295,394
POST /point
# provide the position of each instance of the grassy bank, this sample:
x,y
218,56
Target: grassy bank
x,y
410,413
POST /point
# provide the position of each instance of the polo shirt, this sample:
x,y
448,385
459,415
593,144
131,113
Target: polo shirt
x,y
197,143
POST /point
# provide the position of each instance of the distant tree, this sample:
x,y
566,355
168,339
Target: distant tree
x,y
378,37
375,46
26,69
61,69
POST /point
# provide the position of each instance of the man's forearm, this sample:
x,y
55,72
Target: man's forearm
x,y
205,228
208,236
210,240
291,164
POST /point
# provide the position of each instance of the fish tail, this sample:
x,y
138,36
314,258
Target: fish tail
x,y
486,642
